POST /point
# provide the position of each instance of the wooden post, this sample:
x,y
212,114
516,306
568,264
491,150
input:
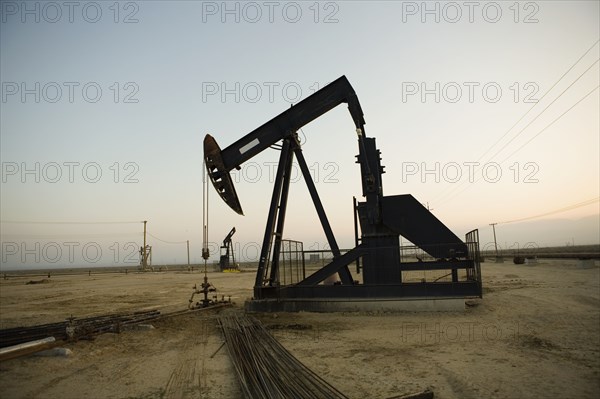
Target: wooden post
x,y
144,254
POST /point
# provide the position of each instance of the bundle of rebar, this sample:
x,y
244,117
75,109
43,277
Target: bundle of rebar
x,y
265,368
74,328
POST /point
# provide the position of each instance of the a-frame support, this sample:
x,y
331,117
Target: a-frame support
x,y
271,246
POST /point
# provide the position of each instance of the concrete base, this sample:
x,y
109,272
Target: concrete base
x,y
357,305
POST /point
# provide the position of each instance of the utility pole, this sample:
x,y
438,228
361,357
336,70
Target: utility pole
x,y
495,242
144,256
188,251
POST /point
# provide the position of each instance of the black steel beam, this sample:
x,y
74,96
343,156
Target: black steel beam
x,y
419,266
334,266
356,240
264,253
344,272
337,92
281,213
220,162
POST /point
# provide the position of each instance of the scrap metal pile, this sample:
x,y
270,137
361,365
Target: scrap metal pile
x,y
74,328
265,368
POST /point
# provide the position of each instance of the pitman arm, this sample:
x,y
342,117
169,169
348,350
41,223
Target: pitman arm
x,y
220,162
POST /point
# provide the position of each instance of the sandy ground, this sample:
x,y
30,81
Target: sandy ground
x,y
535,334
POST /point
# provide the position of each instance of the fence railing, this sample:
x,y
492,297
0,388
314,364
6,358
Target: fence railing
x,y
291,262
416,265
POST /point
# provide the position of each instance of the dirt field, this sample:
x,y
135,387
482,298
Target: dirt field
x,y
535,334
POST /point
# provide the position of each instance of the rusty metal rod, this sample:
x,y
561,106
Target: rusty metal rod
x,y
265,368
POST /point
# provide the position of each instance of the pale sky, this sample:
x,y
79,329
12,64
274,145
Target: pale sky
x,y
130,91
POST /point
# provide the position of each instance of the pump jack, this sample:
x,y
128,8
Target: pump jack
x,y
383,219
227,259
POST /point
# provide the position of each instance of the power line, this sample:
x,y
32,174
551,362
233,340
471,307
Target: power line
x,y
536,135
529,124
550,124
167,242
453,188
54,222
538,101
70,236
564,209
548,106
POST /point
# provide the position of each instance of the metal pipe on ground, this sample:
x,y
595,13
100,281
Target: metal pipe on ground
x,y
427,394
265,368
78,328
11,352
